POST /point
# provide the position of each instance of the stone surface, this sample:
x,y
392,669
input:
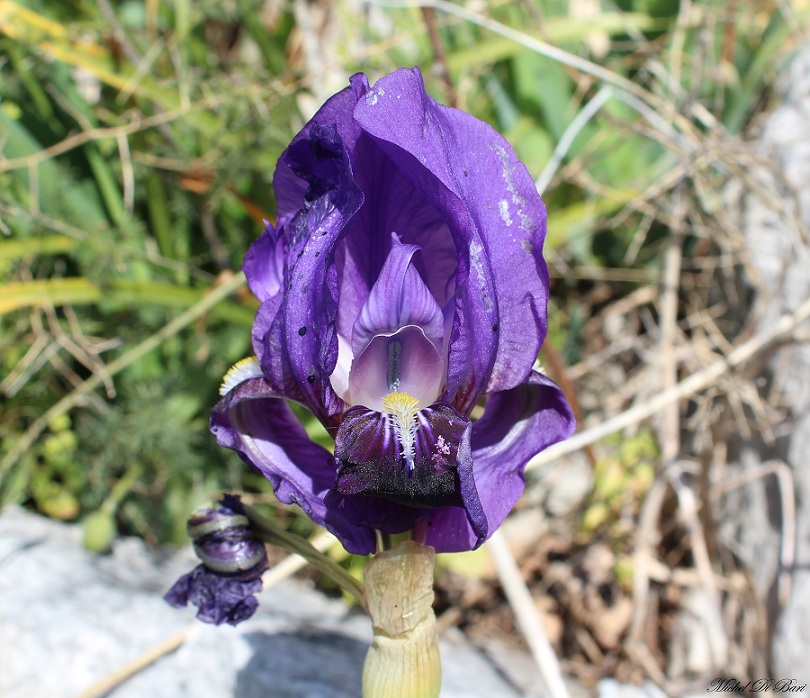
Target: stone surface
x,y
69,618
779,254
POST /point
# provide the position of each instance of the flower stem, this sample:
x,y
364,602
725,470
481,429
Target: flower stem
x,y
403,659
273,534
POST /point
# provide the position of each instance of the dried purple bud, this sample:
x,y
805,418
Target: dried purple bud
x,y
223,587
224,542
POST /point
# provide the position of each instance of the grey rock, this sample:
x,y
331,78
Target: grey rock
x,y
69,618
780,260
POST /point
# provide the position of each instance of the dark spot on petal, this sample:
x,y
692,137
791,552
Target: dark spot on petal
x,y
302,331
310,379
495,327
466,174
317,254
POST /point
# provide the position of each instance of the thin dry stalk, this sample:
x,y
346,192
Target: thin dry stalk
x,y
781,330
526,613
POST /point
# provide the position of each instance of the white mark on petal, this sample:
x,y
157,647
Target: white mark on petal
x,y
503,210
402,409
442,445
518,199
371,98
477,259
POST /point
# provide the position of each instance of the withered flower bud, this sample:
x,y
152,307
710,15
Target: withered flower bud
x,y
233,560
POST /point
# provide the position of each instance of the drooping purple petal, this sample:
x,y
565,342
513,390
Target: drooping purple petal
x,y
253,421
412,459
471,176
376,513
376,499
517,424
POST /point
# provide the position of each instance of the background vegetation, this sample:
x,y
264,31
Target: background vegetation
x,y
137,145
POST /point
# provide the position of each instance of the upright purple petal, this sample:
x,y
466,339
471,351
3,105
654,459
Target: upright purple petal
x,y
392,204
298,347
470,174
264,264
291,181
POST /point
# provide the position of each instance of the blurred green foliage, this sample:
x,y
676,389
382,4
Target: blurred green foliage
x,y
621,479
137,145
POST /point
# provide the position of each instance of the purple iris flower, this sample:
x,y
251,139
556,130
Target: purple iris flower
x,y
403,282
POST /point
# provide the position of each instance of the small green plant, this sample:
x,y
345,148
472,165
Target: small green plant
x,y
621,480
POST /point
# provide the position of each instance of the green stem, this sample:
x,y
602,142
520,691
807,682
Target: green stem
x,y
273,534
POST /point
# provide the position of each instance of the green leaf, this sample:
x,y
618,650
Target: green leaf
x,y
120,293
13,249
557,31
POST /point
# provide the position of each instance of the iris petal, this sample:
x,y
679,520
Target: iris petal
x,y
399,297
404,361
392,204
253,421
264,264
291,180
517,424
470,174
411,458
294,334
